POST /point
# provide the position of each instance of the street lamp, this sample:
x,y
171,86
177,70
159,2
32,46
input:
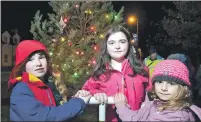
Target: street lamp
x,y
131,20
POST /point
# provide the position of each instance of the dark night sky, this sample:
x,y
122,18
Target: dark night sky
x,y
19,14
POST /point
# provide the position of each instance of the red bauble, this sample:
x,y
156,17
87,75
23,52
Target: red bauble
x,y
70,43
94,62
92,28
65,20
95,47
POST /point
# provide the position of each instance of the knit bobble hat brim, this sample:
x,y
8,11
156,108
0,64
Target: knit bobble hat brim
x,y
173,71
169,78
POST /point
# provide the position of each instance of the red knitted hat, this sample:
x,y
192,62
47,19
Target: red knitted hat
x,y
171,70
25,48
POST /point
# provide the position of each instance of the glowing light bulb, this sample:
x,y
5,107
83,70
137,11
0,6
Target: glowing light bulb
x,y
107,16
76,6
101,36
75,74
62,39
51,53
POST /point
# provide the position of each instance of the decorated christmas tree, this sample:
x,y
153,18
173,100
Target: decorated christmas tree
x,y
73,34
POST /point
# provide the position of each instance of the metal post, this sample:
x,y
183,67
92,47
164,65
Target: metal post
x,y
102,107
137,28
102,112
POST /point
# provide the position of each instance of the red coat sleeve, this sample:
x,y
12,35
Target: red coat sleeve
x,y
92,86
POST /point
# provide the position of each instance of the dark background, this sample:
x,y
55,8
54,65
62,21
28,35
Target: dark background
x,y
19,14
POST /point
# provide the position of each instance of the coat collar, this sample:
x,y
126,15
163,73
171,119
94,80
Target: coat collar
x,y
125,66
28,78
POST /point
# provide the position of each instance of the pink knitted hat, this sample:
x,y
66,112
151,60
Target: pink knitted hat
x,y
171,70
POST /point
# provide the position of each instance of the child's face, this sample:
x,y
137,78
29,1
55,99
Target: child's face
x,y
37,65
166,90
117,46
153,56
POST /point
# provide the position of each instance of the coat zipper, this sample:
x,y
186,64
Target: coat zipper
x,y
133,85
126,90
117,86
49,97
123,84
134,91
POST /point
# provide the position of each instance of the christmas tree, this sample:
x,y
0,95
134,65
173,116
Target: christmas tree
x,y
73,34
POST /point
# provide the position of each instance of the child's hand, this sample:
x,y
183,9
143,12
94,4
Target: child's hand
x,y
101,97
86,98
119,98
82,93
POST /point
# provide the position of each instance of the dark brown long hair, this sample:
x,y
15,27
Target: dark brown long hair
x,y
57,80
104,58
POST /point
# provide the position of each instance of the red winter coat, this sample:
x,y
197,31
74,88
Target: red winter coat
x,y
134,88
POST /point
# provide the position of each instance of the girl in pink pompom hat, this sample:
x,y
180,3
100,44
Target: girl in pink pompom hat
x,y
171,93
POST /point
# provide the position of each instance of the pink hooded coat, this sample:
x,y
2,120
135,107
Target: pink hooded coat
x,y
148,112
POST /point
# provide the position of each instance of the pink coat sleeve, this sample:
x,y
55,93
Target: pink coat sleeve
x,y
92,86
196,110
126,114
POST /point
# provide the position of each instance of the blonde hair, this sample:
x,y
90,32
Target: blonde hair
x,y
181,100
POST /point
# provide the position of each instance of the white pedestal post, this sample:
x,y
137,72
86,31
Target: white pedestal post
x,y
102,108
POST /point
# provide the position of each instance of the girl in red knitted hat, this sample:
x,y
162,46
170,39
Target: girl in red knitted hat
x,y
33,96
172,97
